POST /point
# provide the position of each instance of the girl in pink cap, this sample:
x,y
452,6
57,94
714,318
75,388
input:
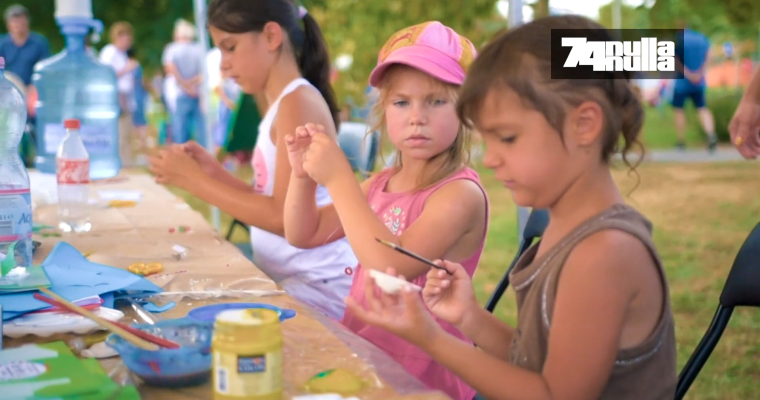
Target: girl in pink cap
x,y
429,202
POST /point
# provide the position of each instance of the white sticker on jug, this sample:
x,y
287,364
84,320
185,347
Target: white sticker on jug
x,y
97,139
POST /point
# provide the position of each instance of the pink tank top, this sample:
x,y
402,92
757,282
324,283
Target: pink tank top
x,y
398,211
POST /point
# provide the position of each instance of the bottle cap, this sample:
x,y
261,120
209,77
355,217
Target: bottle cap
x,y
71,123
2,62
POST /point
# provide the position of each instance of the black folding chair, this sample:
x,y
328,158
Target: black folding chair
x,y
742,289
534,229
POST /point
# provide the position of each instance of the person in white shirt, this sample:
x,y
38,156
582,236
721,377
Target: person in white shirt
x,y
115,55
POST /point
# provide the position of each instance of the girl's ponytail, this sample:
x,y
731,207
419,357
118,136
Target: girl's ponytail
x,y
314,63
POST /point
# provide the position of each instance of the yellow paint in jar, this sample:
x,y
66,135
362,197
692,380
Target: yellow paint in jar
x,y
247,355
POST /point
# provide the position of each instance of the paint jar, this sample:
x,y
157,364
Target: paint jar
x,y
247,355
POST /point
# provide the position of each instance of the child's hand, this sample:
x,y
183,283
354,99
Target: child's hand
x,y
206,160
173,166
403,314
449,297
745,129
297,144
324,160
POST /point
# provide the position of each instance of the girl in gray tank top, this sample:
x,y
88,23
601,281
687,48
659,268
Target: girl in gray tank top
x,y
594,317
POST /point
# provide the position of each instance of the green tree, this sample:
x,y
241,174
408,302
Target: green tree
x,y
715,18
540,9
630,17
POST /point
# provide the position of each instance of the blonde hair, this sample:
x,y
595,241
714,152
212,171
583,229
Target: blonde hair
x,y
184,30
120,28
456,156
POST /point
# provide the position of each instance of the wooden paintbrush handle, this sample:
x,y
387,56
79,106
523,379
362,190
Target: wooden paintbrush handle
x,y
131,338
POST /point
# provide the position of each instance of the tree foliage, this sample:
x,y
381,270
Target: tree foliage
x,y
355,27
153,22
722,18
360,27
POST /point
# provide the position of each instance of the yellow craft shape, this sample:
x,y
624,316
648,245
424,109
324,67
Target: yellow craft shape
x,y
122,203
145,269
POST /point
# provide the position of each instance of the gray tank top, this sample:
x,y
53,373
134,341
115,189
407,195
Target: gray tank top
x,y
646,371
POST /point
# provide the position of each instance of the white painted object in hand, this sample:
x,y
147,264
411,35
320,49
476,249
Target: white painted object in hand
x,y
391,284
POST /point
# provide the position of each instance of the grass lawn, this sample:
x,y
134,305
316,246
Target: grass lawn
x,y
659,129
701,214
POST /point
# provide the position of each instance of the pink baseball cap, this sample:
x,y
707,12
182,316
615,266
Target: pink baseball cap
x,y
430,47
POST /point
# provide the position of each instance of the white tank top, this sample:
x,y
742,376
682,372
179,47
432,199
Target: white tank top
x,y
272,253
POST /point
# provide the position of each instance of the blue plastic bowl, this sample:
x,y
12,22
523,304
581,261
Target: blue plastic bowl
x,y
187,366
209,313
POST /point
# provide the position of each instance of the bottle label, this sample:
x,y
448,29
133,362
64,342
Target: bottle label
x,y
97,139
73,172
247,375
15,215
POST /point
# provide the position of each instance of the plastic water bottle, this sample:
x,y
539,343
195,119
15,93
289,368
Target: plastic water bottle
x,y
15,198
73,175
73,84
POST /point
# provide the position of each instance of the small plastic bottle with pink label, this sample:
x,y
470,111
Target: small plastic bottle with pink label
x,y
73,173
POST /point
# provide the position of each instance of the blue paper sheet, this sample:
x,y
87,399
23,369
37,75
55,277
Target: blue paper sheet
x,y
74,277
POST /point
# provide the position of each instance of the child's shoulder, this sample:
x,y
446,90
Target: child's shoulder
x,y
620,243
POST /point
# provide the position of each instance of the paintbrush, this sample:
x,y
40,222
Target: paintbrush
x,y
410,254
130,337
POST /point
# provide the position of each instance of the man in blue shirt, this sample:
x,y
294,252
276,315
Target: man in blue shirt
x,y
691,85
20,47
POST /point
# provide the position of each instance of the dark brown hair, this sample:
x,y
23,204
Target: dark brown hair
x,y
520,59
242,16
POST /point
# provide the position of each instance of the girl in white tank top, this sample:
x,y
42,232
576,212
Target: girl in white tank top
x,y
275,50
319,276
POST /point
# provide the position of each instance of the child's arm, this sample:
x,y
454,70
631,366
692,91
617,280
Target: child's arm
x,y
449,213
306,225
490,334
264,212
599,281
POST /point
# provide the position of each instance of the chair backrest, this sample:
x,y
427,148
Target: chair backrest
x,y
534,229
741,289
360,148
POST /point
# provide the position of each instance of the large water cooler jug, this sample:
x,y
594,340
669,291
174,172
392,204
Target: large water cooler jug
x,y
73,84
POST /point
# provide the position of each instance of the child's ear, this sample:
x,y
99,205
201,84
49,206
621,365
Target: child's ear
x,y
272,33
587,123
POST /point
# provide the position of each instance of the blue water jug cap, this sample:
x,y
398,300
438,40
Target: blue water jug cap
x,y
79,25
